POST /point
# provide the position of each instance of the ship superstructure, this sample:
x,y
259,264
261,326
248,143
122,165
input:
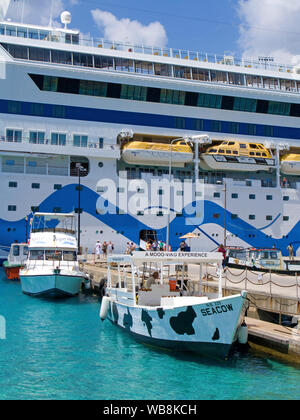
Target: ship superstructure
x,y
67,101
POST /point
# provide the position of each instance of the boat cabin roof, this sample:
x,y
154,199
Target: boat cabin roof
x,y
167,258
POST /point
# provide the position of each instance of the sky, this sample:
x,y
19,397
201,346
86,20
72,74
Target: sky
x,y
245,28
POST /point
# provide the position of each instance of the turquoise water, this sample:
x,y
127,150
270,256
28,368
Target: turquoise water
x,y
61,350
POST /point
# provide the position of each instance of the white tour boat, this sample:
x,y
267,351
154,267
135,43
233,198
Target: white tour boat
x,y
167,316
52,267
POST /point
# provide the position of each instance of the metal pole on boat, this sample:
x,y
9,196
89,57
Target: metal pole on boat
x,y
220,280
169,209
200,278
133,284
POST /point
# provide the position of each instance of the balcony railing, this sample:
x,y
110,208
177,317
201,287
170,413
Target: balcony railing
x,y
56,36
86,142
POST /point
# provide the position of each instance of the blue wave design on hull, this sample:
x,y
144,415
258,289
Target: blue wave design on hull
x,y
67,200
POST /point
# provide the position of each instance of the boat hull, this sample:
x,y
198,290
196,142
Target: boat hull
x,y
290,167
239,164
55,285
209,329
12,272
156,157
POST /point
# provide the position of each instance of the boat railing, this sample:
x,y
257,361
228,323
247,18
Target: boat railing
x,y
56,36
54,230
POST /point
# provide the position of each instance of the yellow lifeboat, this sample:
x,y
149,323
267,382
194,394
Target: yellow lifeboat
x,y
157,154
235,156
290,164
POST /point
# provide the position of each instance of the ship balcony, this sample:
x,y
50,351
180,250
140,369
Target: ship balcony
x,y
84,146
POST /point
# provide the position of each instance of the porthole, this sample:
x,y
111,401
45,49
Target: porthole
x,y
100,164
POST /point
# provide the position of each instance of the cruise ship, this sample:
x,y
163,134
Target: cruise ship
x,y
114,123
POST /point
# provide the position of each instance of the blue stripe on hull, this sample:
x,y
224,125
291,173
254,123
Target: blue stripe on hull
x,y
52,293
144,119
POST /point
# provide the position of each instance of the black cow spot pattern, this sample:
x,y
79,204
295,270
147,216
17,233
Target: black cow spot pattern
x,y
182,323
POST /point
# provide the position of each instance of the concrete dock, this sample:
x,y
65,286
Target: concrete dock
x,y
273,293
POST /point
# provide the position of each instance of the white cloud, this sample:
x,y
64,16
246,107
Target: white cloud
x,y
127,30
36,12
270,28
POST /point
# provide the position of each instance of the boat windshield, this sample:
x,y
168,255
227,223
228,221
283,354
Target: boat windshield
x,y
53,255
36,255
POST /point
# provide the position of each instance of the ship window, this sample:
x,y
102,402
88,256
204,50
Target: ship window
x,y
217,195
243,146
61,57
13,184
269,217
123,64
213,151
252,196
269,197
144,67
57,186
221,151
244,104
50,83
39,54
169,96
179,122
14,135
285,198
14,107
253,146
12,208
231,143
286,218
257,154
35,186
182,72
279,108
234,216
228,152
34,209
251,217
209,101
36,137
201,75
216,126
216,215
104,62
264,154
269,131
234,195
252,154
58,139
84,60
91,88
251,129
80,140
137,93
235,152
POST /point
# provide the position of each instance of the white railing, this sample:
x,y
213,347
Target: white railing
x,y
69,142
55,36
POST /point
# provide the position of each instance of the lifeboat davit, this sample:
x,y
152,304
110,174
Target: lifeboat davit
x,y
235,156
290,164
157,154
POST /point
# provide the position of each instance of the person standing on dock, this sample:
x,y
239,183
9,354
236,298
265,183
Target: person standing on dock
x,y
223,250
291,251
98,249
